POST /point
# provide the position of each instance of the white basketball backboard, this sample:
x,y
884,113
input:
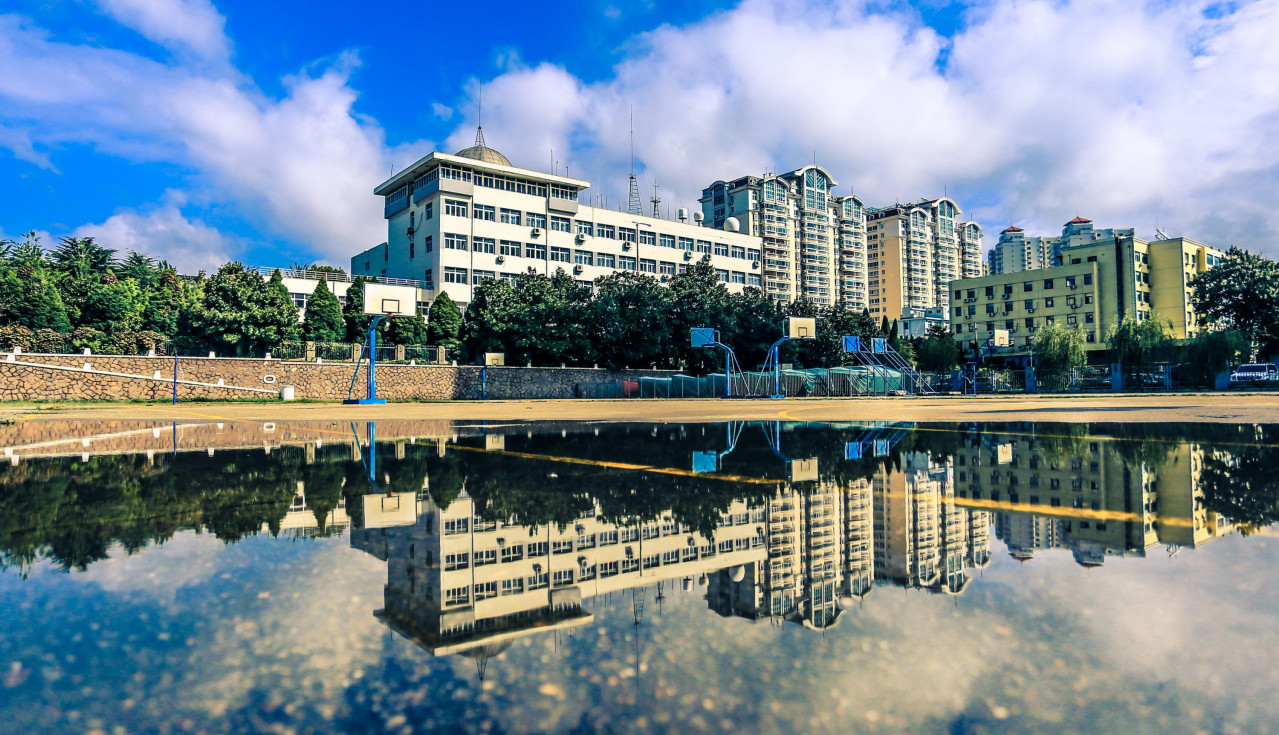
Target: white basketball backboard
x,y
380,298
798,327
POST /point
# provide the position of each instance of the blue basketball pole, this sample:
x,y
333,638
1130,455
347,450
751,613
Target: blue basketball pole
x,y
372,398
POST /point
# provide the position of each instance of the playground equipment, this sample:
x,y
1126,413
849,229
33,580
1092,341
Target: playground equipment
x,y
793,328
380,301
878,356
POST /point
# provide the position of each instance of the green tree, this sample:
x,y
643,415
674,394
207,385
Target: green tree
x,y
1056,351
699,299
164,305
407,331
493,321
631,318
241,314
113,306
31,300
83,257
323,319
1134,343
444,323
1215,351
1241,291
357,322
938,351
140,268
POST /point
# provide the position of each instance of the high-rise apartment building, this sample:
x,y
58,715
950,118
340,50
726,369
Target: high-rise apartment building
x,y
1015,252
914,251
814,242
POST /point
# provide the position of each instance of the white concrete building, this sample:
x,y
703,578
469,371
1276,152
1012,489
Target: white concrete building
x,y
1015,252
454,220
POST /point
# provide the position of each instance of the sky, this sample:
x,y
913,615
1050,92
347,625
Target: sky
x,y
200,131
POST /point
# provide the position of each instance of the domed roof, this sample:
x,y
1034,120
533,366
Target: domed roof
x,y
481,152
485,154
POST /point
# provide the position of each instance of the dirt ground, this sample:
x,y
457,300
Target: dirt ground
x,y
1164,407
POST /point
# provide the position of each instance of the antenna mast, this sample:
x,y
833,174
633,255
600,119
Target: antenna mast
x,y
633,199
479,120
656,200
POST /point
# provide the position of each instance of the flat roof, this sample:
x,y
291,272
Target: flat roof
x,y
420,166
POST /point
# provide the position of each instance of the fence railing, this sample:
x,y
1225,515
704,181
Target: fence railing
x,y
313,275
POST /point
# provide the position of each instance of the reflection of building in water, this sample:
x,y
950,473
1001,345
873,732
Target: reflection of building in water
x,y
300,520
1081,494
456,582
922,539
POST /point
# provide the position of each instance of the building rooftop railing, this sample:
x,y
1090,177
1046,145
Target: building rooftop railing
x,y
317,275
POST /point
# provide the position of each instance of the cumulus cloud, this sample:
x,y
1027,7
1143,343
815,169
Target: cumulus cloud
x,y
301,167
1134,114
164,234
193,26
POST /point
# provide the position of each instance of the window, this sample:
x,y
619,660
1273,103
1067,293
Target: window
x,y
608,538
562,547
478,276
535,220
721,249
539,581
455,275
1087,279
509,247
1048,303
583,257
455,526
703,246
455,208
1089,318
1070,281
723,275
510,216
1091,337
485,212
666,241
686,244
1087,298
1028,286
453,562
513,586
752,279
535,250
429,212
585,228
1030,304
647,265
484,245
485,590
560,224
625,262
1008,289
538,548
1048,284
412,250
560,255
484,557
513,552
665,268
428,278
626,234
670,557
1030,322
647,238
608,232
737,277
1070,319
455,242
457,596
608,569
429,244
990,292
1092,259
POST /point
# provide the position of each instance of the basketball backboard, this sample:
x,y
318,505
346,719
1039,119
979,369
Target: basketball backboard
x,y
703,336
379,298
852,344
798,327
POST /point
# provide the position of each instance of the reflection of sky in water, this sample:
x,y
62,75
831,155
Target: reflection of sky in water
x,y
279,634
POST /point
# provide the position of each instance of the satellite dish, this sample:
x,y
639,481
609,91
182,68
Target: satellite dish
x,y
739,573
732,224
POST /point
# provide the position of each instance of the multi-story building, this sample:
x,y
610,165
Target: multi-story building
x,y
914,251
1015,252
915,322
1097,282
454,220
814,242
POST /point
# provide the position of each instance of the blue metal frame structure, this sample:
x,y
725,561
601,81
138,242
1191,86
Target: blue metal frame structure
x,y
371,345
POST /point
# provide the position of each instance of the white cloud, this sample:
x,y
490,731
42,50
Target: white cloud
x,y
164,234
193,26
1132,114
302,167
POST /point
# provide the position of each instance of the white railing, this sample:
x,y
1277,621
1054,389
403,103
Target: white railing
x,y
314,275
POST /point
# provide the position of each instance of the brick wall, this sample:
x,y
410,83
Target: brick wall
x,y
27,379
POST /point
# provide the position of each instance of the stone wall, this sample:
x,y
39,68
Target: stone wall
x,y
25,377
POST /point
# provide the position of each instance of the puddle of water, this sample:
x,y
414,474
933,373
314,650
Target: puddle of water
x,y
586,577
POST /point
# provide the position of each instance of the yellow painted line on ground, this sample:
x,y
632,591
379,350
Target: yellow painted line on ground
x,y
346,434
1088,513
620,466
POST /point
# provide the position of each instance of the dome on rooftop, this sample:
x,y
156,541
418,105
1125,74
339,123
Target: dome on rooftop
x,y
481,152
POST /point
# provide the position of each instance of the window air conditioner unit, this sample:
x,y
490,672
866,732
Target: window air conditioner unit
x,y
755,264
1031,310
501,259
1074,285
537,232
1007,295
577,269
688,255
580,237
665,278
626,246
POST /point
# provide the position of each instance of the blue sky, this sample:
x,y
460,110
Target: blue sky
x,y
201,131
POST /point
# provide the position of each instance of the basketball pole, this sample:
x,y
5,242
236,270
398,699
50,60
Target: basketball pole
x,y
371,340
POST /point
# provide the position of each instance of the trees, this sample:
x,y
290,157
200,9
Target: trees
x,y
938,351
323,319
1056,351
1242,291
241,314
698,299
444,323
1214,351
1134,343
630,319
356,321
493,321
